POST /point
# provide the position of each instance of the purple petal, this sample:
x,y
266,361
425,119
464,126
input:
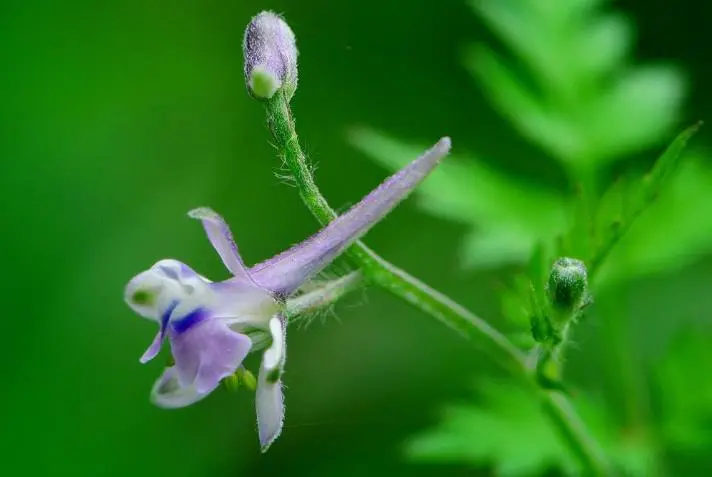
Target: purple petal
x,y
269,402
221,238
270,50
155,346
153,350
207,353
169,393
286,272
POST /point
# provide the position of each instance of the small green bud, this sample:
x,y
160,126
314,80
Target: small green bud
x,y
240,378
247,379
232,382
568,287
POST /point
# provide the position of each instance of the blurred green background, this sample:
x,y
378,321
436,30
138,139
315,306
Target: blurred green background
x,y
119,117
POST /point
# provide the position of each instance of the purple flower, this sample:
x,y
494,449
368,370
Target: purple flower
x,y
209,324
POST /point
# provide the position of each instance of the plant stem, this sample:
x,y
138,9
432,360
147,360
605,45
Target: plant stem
x,y
375,269
299,307
574,431
378,271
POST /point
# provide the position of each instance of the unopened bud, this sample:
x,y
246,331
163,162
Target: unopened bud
x,y
231,382
270,52
568,287
247,379
240,378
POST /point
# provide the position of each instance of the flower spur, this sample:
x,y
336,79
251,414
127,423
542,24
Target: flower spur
x,y
209,324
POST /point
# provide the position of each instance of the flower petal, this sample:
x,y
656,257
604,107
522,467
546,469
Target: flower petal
x,y
169,393
153,349
238,303
269,398
152,292
274,357
221,238
286,272
269,402
207,352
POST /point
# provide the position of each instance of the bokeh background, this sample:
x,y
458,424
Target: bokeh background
x,y
118,117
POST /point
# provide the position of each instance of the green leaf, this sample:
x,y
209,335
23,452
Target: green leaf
x,y
604,46
507,431
574,94
508,216
673,232
550,129
657,223
639,109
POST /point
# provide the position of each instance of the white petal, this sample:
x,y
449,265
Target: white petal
x,y
143,294
269,401
152,292
168,393
273,358
238,303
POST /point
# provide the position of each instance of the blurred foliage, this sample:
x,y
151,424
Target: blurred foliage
x,y
506,428
577,95
686,391
566,82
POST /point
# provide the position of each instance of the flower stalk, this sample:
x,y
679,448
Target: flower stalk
x,y
379,272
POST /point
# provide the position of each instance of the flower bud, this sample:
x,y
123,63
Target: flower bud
x,y
247,379
568,287
270,52
240,378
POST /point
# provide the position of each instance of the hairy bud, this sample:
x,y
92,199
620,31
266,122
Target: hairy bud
x,y
568,287
270,52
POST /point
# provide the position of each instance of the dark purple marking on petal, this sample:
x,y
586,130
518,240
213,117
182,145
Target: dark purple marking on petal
x,y
166,316
155,346
188,321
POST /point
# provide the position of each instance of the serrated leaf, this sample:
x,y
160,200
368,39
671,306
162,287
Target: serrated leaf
x,y
574,96
506,430
548,128
635,112
674,231
665,166
604,45
538,47
549,38
678,205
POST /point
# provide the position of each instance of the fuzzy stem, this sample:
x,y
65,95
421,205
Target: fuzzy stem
x,y
322,297
379,272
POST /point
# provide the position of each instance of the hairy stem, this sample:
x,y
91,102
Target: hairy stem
x,y
381,273
322,296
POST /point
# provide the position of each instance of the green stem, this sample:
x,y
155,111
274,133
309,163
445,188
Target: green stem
x,y
378,271
574,431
